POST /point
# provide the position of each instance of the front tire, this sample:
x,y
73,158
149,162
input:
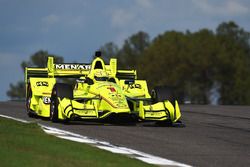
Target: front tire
x,y
61,91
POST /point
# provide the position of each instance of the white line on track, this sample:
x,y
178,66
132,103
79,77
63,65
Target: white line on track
x,y
16,119
148,158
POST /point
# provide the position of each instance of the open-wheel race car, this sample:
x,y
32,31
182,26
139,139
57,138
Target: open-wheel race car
x,y
100,92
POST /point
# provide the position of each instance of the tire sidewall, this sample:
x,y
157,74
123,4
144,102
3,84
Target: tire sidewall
x,y
54,106
28,102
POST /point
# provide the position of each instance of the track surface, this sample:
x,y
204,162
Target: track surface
x,y
213,136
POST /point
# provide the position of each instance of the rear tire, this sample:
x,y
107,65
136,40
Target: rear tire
x,y
61,91
30,112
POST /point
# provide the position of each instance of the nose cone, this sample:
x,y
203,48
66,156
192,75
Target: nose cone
x,y
112,97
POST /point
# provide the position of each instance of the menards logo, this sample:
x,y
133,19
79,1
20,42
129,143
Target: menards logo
x,y
72,67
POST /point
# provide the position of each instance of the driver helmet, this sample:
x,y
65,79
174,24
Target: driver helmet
x,y
100,75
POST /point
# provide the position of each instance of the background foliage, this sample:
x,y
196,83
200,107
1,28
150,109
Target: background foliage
x,y
203,67
38,59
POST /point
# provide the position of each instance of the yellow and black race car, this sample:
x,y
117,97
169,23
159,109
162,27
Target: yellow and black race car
x,y
100,91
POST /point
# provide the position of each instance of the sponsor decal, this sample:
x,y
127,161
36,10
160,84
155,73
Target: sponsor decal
x,y
132,86
46,100
112,89
72,67
42,83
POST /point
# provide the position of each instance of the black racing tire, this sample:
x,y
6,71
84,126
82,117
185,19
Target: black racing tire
x,y
168,123
29,112
54,108
61,91
161,93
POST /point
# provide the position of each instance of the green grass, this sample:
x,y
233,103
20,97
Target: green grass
x,y
27,145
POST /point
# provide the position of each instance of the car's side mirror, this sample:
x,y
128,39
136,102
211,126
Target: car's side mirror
x,y
89,81
80,80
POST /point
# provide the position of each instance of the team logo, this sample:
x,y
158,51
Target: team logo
x,y
72,67
42,83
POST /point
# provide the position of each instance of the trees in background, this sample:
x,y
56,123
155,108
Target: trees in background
x,y
203,67
234,64
16,91
132,50
38,59
130,54
109,50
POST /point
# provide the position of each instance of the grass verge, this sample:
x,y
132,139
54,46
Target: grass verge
x,y
27,145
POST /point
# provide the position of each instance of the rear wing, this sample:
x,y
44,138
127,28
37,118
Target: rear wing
x,y
57,70
75,70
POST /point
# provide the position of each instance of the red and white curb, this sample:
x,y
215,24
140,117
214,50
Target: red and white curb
x,y
148,158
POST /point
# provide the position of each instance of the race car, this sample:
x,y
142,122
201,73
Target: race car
x,y
100,92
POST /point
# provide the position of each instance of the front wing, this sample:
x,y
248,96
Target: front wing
x,y
90,109
160,111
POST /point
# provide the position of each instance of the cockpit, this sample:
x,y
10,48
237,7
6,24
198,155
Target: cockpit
x,y
98,65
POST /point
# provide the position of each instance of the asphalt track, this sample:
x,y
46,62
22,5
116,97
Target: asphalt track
x,y
213,136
